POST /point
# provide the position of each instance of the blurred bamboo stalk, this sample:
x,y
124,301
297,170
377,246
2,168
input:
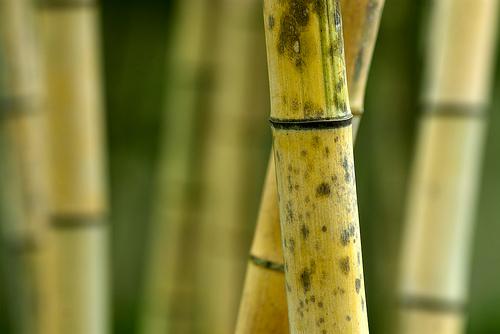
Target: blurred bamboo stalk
x,y
263,305
78,232
442,201
169,292
23,152
312,133
235,112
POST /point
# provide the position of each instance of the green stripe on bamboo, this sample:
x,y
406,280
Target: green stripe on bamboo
x,y
443,192
263,304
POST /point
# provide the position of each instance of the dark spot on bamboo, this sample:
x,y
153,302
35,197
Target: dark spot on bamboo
x,y
327,151
288,287
336,139
291,245
305,279
323,331
270,22
289,212
311,110
303,153
337,18
362,304
305,231
323,190
345,265
340,104
320,304
293,22
357,284
347,172
323,228
358,65
307,199
313,299
347,234
359,258
315,141
348,318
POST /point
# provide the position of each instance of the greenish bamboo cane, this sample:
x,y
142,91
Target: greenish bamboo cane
x,y
169,293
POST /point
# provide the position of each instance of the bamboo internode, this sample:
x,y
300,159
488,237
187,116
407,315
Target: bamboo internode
x,y
441,208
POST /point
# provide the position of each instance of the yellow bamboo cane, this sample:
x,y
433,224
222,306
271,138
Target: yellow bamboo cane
x,y
78,254
440,214
312,135
263,304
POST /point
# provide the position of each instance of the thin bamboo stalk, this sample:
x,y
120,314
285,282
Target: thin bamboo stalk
x,y
169,290
223,241
22,124
440,213
77,234
312,135
263,305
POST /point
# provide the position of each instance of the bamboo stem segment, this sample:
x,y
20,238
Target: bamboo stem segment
x,y
77,236
441,209
263,305
312,137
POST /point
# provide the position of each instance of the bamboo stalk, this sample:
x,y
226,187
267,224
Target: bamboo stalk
x,y
223,239
312,135
263,306
77,257
169,290
441,210
22,125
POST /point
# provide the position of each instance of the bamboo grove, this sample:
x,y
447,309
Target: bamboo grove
x,y
215,234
